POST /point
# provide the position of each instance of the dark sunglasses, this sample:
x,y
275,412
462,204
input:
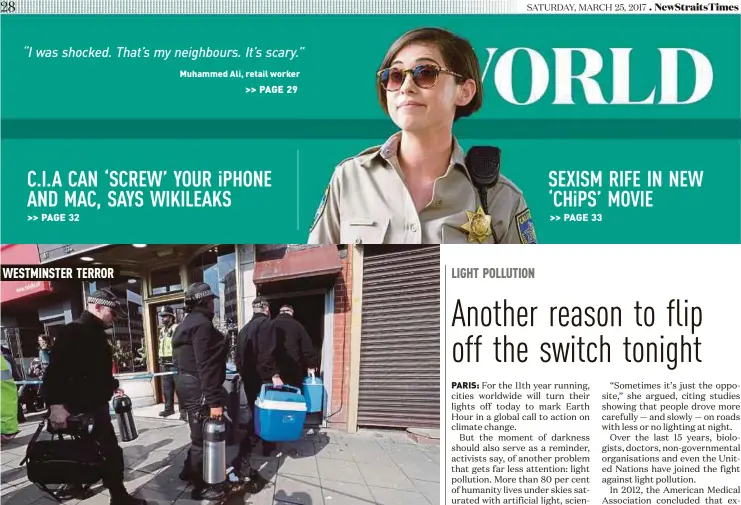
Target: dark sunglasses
x,y
424,76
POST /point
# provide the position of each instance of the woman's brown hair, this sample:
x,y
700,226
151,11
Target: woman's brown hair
x,y
459,57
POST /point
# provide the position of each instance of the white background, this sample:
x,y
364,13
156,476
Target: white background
x,y
708,276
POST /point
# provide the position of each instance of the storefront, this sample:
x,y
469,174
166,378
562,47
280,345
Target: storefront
x,y
399,360
151,276
33,308
372,312
315,281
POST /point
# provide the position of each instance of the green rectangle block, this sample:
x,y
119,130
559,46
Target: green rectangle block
x,y
138,113
706,213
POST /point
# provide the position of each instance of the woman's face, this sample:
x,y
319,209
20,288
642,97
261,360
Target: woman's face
x,y
42,343
416,109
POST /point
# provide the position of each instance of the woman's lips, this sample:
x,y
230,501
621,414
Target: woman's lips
x,y
409,104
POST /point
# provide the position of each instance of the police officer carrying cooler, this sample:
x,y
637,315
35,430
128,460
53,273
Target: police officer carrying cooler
x,y
79,379
256,366
200,352
294,353
167,330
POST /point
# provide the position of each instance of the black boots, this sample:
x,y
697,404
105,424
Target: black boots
x,y
202,491
167,412
126,499
243,474
186,475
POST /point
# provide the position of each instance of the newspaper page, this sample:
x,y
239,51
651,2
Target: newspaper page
x,y
267,253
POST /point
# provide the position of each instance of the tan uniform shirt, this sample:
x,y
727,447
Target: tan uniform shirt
x,y
367,202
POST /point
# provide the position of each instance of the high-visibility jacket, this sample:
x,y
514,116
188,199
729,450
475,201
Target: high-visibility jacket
x,y
165,341
8,400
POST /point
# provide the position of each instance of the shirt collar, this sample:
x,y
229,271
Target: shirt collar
x,y
390,149
203,311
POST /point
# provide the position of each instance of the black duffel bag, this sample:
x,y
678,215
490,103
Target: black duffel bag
x,y
60,464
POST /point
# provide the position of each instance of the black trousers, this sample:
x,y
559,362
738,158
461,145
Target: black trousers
x,y
189,395
103,433
240,462
168,384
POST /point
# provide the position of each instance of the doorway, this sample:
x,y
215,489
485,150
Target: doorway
x,y
155,322
310,310
307,310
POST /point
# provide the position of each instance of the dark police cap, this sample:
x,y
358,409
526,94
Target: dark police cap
x,y
199,291
167,311
107,298
260,303
104,297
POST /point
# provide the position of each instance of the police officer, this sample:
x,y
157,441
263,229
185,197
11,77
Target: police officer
x,y
8,401
79,379
17,376
294,353
416,187
256,365
200,353
167,330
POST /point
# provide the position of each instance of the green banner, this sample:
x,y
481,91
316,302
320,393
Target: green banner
x,y
228,128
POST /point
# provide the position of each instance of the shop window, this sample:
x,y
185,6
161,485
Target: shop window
x,y
166,280
52,327
127,335
217,267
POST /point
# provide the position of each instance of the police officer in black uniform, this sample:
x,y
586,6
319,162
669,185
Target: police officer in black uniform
x,y
256,366
294,353
79,379
200,352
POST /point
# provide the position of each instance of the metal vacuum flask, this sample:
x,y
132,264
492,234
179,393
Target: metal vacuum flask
x,y
214,451
125,416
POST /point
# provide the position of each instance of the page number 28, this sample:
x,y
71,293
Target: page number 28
x,y
7,7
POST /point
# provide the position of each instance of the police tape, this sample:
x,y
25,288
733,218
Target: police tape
x,y
127,377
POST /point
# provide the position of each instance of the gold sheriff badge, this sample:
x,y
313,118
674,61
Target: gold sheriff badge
x,y
478,226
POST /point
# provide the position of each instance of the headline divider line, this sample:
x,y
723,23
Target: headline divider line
x,y
300,129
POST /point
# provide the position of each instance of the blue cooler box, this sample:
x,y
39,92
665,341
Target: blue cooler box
x,y
280,413
314,394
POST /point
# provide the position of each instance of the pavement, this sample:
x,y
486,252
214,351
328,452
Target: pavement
x,y
325,467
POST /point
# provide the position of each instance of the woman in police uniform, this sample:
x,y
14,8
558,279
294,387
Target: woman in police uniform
x,y
200,352
416,188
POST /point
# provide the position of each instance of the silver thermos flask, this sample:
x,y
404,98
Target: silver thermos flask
x,y
214,451
126,425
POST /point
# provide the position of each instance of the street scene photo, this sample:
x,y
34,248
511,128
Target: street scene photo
x,y
222,373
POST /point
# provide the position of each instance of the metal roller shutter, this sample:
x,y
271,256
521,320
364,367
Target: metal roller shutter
x,y
400,338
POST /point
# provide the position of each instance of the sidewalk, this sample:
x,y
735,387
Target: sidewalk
x,y
324,468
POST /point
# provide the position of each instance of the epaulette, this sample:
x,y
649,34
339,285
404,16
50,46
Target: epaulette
x,y
369,151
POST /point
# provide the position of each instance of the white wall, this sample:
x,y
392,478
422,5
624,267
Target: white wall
x,y
246,270
249,292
